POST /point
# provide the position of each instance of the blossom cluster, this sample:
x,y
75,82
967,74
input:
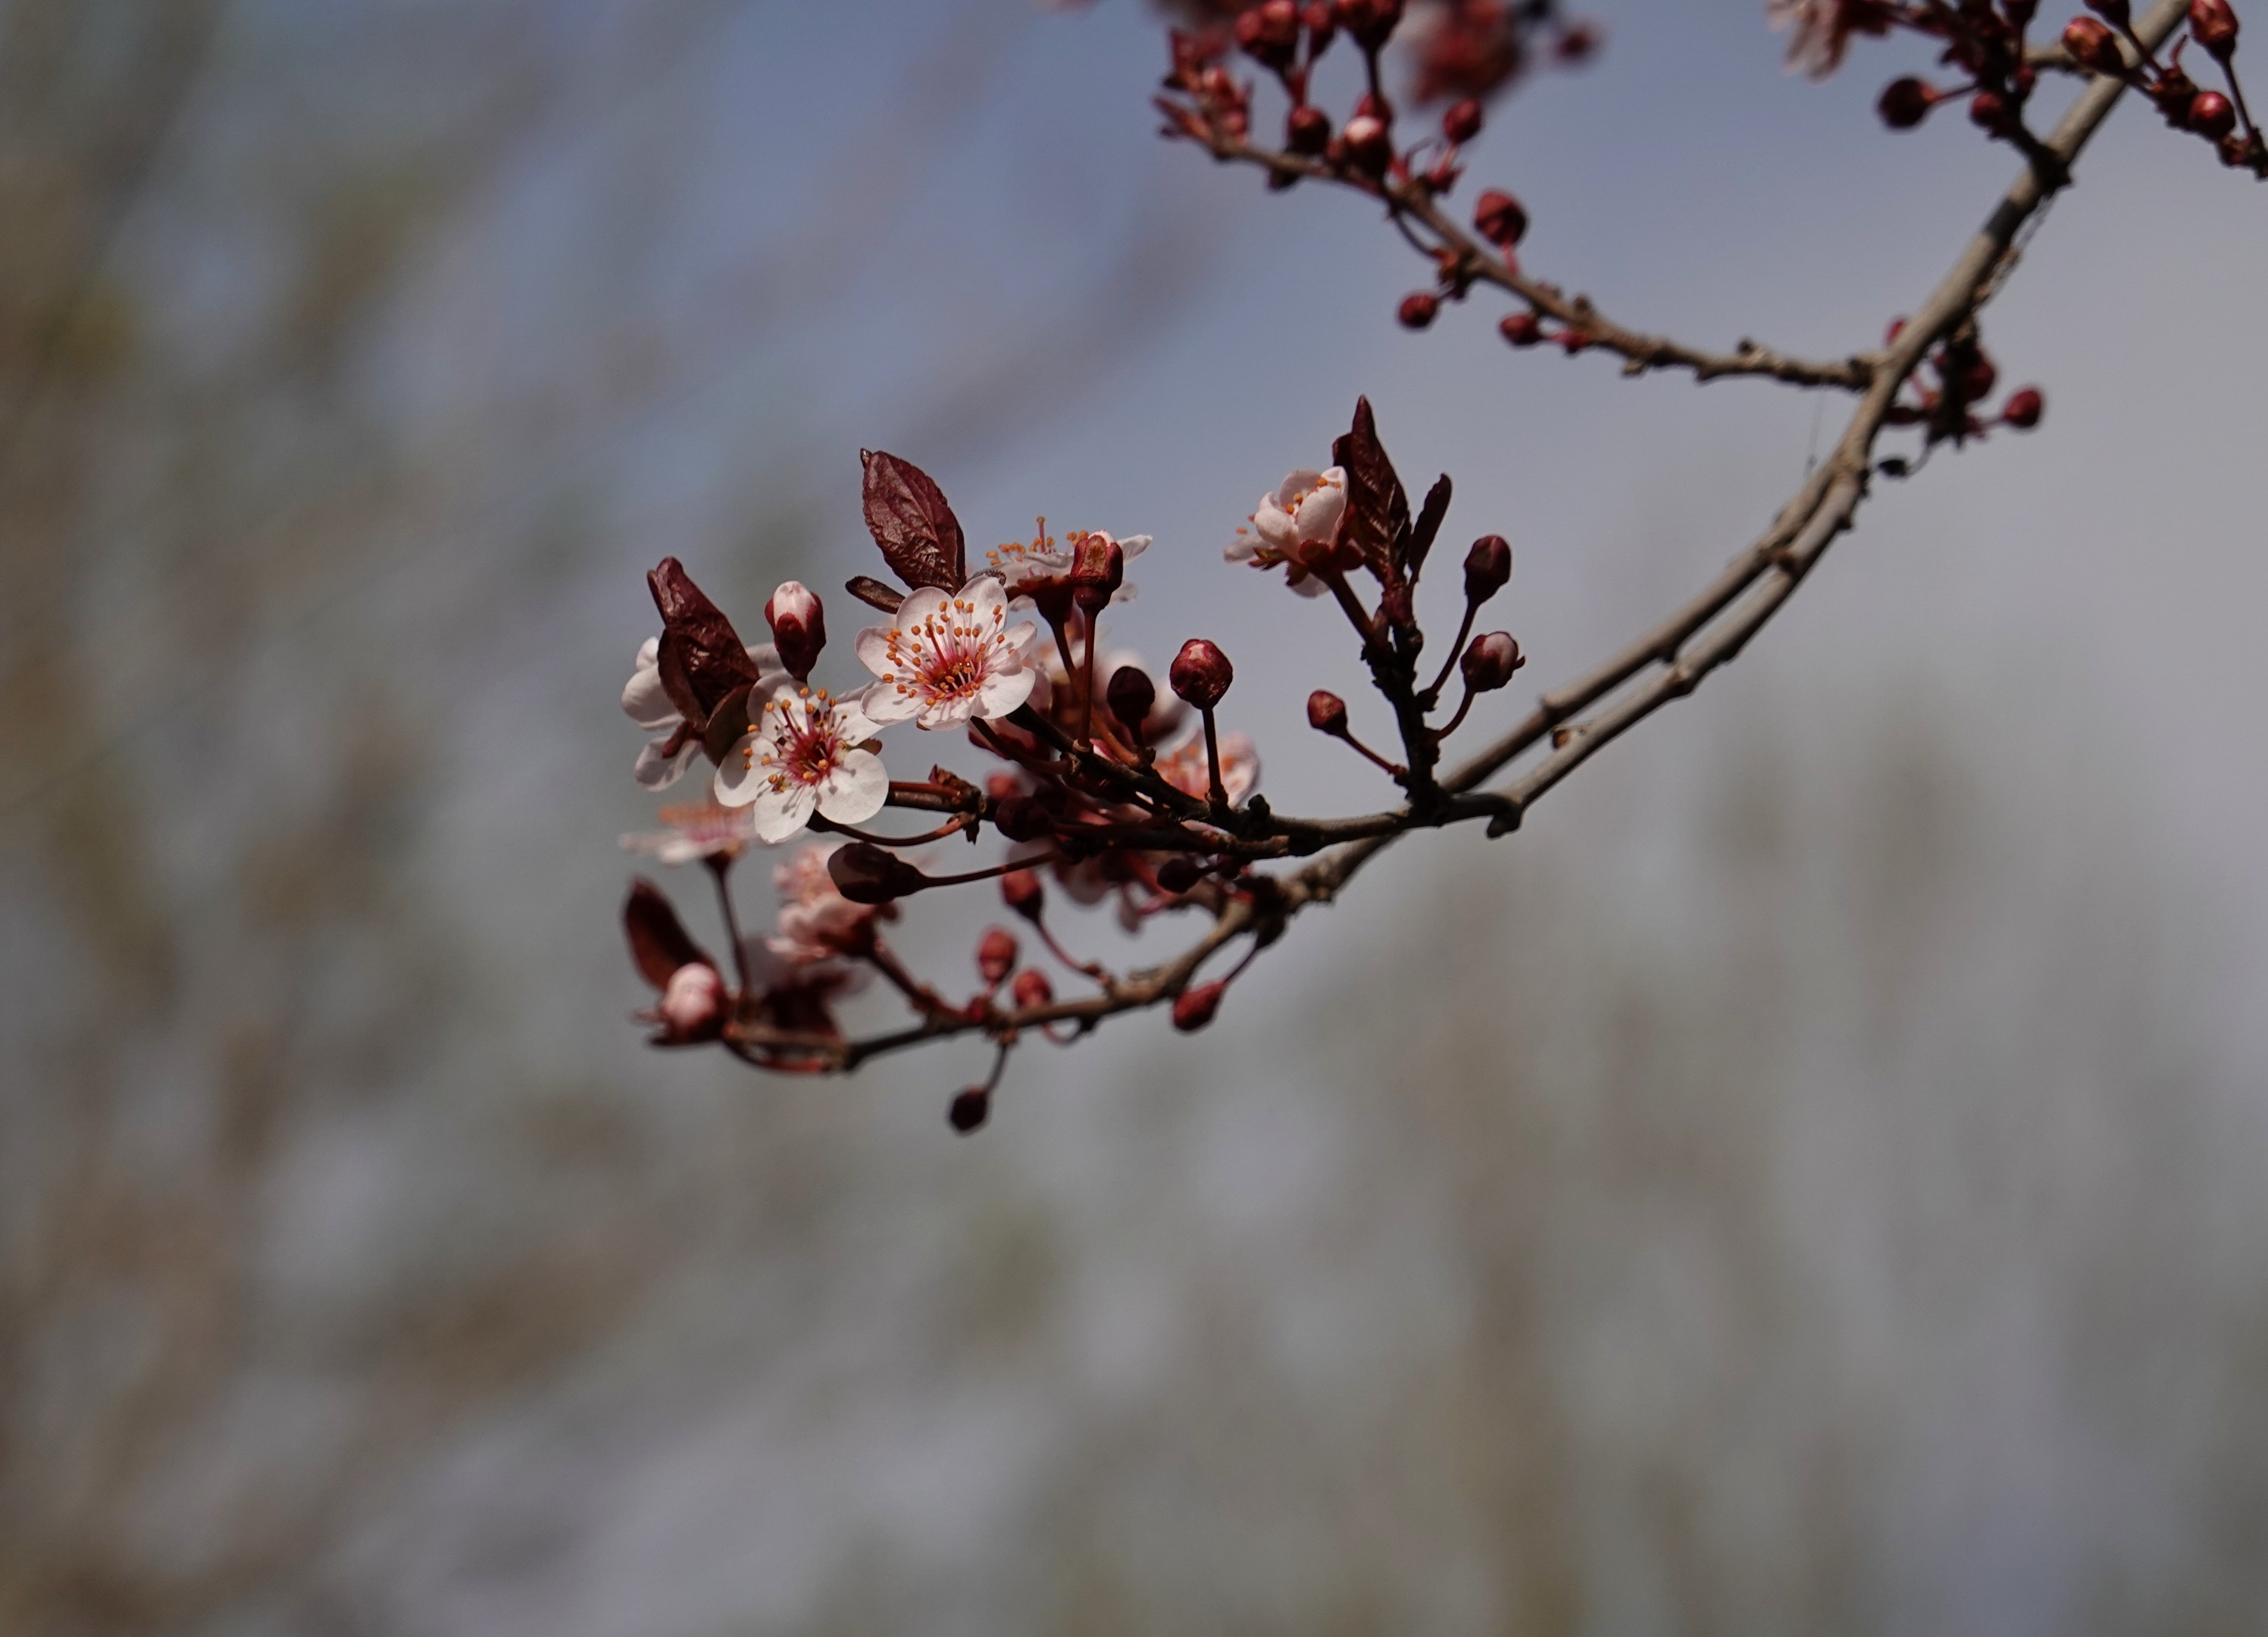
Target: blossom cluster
x,y
1987,44
1115,790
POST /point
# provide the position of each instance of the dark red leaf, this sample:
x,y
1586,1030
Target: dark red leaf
x,y
1377,510
910,521
874,594
1427,526
703,658
659,944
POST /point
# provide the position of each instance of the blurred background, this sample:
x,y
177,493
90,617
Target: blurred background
x,y
1807,1181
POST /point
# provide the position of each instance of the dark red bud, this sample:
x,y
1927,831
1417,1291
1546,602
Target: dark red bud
x,y
1462,122
1890,335
2024,409
1130,694
1578,43
1201,673
1327,713
1193,1008
996,956
1979,379
1098,568
2021,12
1022,892
867,873
968,1110
1905,103
1488,568
1032,989
2093,46
1522,329
1988,110
1022,818
1270,33
1418,309
1322,27
1490,660
1371,22
799,625
1307,130
1179,874
2211,114
2212,24
1574,341
1499,218
1368,144
2114,10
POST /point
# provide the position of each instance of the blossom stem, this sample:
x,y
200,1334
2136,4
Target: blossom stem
x,y
1432,695
1451,726
719,868
1089,969
1219,792
1087,690
925,1000
1393,770
951,827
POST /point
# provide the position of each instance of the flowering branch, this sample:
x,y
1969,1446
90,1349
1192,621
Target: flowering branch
x,y
1104,786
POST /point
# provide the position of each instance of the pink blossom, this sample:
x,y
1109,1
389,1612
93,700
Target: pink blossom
x,y
1306,507
806,754
1030,569
1184,767
816,922
1822,29
944,660
691,831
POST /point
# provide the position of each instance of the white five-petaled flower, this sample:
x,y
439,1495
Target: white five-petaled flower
x,y
1822,28
700,829
816,922
804,755
1027,567
1184,767
645,701
1305,506
943,659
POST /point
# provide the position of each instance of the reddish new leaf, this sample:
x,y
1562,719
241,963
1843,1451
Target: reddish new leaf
x,y
1428,524
703,658
874,594
1377,510
910,521
658,943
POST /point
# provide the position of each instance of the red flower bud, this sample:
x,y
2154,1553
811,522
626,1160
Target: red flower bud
x,y
2212,24
1418,309
693,1003
1905,103
1022,892
1572,341
1032,989
867,873
1522,329
799,627
2114,10
1462,122
1201,673
1327,713
1130,694
1022,818
1098,568
2024,409
2093,46
1988,110
1577,43
1371,22
1490,660
1488,568
1499,218
1307,130
996,956
968,1109
1270,33
1369,145
2211,114
1193,1008
1179,874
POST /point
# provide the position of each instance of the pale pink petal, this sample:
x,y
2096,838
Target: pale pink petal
x,y
887,702
986,595
741,777
782,812
644,699
1005,692
872,648
656,770
855,791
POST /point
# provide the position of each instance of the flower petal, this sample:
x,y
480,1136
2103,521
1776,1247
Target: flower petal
x,y
883,703
740,776
1004,692
855,791
644,699
781,813
656,769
